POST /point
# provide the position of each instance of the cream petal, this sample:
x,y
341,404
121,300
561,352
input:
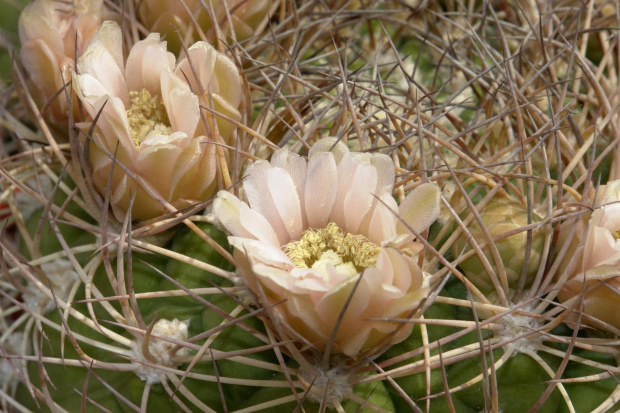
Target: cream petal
x,y
359,198
382,226
185,182
89,90
155,162
600,248
384,264
37,54
119,191
225,127
607,217
275,280
305,321
330,307
241,221
401,306
262,252
178,139
403,276
103,60
201,58
321,189
113,129
36,22
146,61
601,302
296,167
386,174
420,208
611,192
284,195
353,344
202,178
229,81
255,183
354,330
181,104
331,144
309,281
346,172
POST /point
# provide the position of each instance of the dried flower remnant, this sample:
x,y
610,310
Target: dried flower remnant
x,y
150,120
321,231
51,32
594,270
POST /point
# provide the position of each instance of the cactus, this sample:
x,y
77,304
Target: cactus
x,y
404,199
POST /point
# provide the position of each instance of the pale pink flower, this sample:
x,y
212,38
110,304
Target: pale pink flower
x,y
47,32
313,228
596,262
151,119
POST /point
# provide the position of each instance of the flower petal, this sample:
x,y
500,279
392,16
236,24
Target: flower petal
x,y
386,174
261,200
359,198
284,195
331,144
181,104
241,221
321,189
198,67
382,226
155,162
103,60
147,60
420,208
296,167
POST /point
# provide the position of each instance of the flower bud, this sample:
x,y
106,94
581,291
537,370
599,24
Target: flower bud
x,y
500,216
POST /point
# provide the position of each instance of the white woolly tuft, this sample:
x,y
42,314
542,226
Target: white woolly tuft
x,y
160,349
331,386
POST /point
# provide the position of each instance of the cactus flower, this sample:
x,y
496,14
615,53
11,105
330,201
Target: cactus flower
x,y
596,261
317,232
51,32
150,118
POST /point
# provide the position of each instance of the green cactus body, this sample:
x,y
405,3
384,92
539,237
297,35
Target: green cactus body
x,y
520,380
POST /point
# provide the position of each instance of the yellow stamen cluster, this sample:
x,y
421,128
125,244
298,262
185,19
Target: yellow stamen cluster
x,y
146,114
354,249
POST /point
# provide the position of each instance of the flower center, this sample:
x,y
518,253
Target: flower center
x,y
146,115
317,248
